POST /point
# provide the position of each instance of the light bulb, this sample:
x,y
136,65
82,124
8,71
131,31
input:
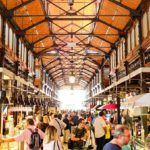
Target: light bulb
x,y
71,79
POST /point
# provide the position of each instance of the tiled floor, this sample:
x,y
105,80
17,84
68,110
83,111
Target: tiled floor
x,y
65,147
16,146
9,146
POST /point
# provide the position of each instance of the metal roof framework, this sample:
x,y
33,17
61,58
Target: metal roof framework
x,y
61,35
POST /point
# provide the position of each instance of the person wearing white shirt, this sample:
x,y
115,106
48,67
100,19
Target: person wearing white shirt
x,y
51,140
90,142
58,124
100,130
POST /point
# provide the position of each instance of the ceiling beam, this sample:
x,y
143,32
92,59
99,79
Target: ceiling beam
x,y
99,66
57,6
62,28
33,25
83,73
53,66
51,61
43,51
107,24
104,39
83,27
61,65
75,19
79,19
32,44
88,54
58,75
46,13
132,11
84,81
74,33
90,67
54,70
19,6
89,45
85,6
68,15
87,72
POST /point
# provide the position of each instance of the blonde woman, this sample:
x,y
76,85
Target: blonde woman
x,y
147,143
51,139
90,142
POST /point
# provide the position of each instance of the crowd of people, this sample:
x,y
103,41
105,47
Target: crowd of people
x,y
81,131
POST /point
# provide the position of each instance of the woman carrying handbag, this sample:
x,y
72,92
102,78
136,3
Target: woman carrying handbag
x,y
51,140
90,143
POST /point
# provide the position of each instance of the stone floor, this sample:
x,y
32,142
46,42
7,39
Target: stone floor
x,y
10,146
17,146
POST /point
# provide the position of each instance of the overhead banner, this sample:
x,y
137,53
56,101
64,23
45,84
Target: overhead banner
x,y
18,109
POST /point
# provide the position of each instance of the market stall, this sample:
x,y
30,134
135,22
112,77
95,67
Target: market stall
x,y
138,109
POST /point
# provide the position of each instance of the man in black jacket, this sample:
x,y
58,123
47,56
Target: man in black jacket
x,y
66,129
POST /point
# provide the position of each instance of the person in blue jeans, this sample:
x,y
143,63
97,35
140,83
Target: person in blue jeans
x,y
121,138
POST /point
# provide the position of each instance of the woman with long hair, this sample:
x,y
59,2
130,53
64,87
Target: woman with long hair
x,y
51,140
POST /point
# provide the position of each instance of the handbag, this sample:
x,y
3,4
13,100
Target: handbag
x,y
70,144
54,146
57,145
61,134
90,146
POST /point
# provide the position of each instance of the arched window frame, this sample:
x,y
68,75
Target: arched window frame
x,y
10,38
1,20
6,34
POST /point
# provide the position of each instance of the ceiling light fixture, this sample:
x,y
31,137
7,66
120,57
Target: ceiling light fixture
x,y
70,3
71,79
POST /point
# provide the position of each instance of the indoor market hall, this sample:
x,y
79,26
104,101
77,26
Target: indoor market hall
x,y
74,74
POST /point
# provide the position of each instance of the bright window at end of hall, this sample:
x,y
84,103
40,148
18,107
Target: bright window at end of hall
x,y
10,38
6,34
144,22
0,26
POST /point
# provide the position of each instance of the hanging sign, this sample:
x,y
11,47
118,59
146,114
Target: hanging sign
x,y
18,109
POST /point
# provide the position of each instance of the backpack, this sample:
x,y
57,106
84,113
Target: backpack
x,y
35,140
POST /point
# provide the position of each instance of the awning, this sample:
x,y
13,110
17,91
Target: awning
x,y
109,106
142,100
96,107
